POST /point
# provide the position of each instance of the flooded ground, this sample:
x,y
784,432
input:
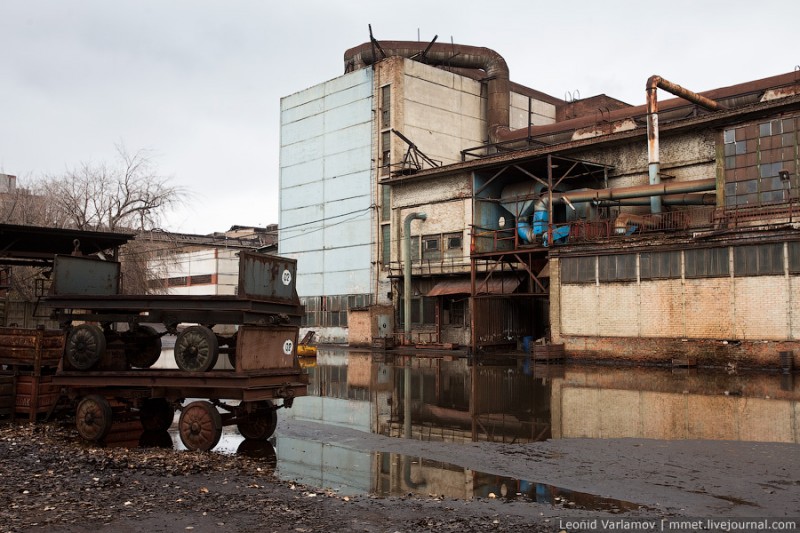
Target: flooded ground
x,y
508,404
517,402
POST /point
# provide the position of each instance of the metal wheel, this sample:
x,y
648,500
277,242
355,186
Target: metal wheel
x,y
85,346
156,414
260,422
200,426
196,349
142,346
93,418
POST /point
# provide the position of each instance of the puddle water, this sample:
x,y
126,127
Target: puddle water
x,y
350,472
453,401
443,399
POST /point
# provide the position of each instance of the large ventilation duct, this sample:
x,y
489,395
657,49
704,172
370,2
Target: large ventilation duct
x,y
453,55
519,198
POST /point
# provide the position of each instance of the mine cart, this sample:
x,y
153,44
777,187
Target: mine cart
x,y
113,340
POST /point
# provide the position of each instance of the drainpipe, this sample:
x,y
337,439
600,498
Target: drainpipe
x,y
407,273
653,84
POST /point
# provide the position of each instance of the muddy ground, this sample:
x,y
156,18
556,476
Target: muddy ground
x,y
51,481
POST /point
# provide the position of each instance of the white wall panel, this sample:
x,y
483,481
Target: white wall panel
x,y
300,152
302,195
330,123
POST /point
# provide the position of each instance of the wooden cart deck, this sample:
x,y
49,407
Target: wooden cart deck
x,y
174,308
221,384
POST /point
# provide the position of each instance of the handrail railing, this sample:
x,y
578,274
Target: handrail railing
x,y
485,240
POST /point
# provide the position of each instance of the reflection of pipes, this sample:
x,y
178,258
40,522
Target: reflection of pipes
x,y
407,400
407,272
653,84
407,475
452,55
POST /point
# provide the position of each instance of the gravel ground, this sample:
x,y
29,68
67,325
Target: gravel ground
x,y
51,481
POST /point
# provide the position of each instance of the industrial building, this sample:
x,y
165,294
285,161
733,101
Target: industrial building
x,y
645,233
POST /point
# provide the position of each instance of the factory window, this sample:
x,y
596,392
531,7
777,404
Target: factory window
x,y
423,310
660,265
386,151
386,243
386,106
204,279
321,311
178,282
707,263
454,310
578,270
431,251
386,203
414,248
760,163
758,260
617,267
773,127
794,257
453,241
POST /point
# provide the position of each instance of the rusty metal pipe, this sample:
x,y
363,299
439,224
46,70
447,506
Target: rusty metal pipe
x,y
407,272
669,199
653,163
639,191
452,55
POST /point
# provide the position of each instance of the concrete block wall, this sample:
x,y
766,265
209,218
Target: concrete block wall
x,y
541,112
443,112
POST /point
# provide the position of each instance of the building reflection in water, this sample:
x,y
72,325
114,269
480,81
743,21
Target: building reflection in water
x,y
454,401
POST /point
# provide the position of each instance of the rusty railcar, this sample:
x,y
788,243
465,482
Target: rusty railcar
x,y
113,340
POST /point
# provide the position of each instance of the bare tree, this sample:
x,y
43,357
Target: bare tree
x,y
128,195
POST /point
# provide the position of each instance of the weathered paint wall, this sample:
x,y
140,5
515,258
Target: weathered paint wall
x,y
448,206
326,185
754,308
686,157
747,320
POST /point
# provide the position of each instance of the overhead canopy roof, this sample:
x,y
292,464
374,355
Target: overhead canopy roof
x,y
493,285
38,245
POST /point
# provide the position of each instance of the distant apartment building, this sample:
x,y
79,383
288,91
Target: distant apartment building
x,y
189,264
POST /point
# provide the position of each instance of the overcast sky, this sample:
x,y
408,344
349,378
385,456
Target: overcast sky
x,y
198,83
